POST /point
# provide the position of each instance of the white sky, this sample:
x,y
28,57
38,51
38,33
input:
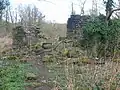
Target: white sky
x,y
59,11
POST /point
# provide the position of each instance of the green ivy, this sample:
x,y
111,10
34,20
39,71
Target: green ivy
x,y
97,32
12,77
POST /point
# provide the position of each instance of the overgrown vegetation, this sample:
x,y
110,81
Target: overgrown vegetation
x,y
100,39
12,77
87,59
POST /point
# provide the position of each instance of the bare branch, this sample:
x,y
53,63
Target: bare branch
x,y
47,1
109,14
82,8
117,15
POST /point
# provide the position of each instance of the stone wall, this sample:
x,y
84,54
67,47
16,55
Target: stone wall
x,y
76,22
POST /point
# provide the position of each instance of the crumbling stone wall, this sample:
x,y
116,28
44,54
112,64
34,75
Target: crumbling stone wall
x,y
25,36
32,33
76,22
19,36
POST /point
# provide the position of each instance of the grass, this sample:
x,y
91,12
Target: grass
x,y
53,31
64,76
13,76
73,74
64,73
85,77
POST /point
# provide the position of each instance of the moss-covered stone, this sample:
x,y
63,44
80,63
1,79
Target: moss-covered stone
x,y
31,76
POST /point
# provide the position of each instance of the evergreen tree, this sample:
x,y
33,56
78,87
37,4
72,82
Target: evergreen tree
x,y
3,5
109,6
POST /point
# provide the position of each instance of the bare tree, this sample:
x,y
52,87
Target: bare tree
x,y
29,15
110,8
47,1
110,13
118,13
3,5
73,11
7,19
11,15
82,5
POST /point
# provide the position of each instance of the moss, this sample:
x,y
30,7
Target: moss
x,y
65,52
116,60
85,60
36,84
113,86
13,57
31,76
36,46
48,58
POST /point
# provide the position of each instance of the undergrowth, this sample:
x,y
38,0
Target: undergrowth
x,y
12,77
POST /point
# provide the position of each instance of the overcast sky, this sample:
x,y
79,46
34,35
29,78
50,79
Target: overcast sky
x,y
57,10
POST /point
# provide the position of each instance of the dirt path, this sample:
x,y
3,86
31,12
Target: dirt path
x,y
43,76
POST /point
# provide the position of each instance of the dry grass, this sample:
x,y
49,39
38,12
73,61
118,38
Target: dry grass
x,y
79,76
5,43
52,31
71,76
86,77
